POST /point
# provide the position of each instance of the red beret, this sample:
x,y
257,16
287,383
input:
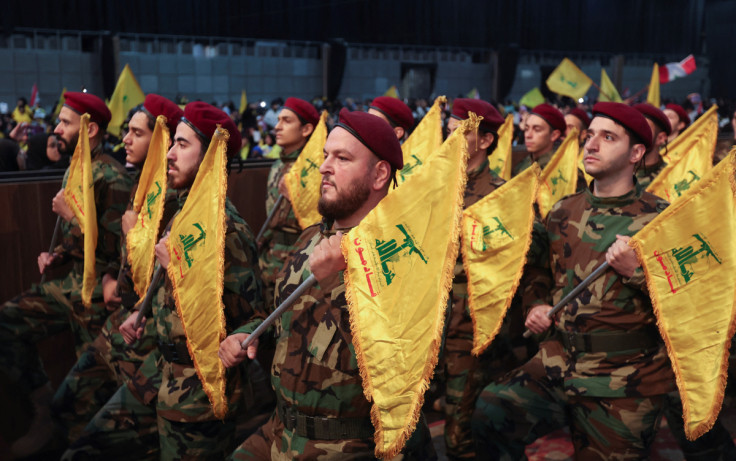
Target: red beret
x,y
581,115
156,105
375,134
628,117
680,113
303,109
395,110
551,115
492,120
203,118
82,103
655,115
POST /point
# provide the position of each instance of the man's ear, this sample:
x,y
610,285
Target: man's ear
x,y
486,139
555,135
307,129
637,153
92,129
381,175
399,132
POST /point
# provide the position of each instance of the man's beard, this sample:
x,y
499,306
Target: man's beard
x,y
347,202
68,148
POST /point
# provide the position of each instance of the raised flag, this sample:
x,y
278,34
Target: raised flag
x,y
568,80
690,264
608,91
303,179
559,178
126,96
196,270
392,91
400,262
243,101
694,160
149,205
79,195
653,93
497,232
706,124
500,160
532,98
423,141
59,104
473,94
675,70
34,96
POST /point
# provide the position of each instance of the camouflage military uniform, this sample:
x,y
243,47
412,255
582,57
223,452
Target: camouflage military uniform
x,y
527,161
315,374
108,361
56,305
282,232
163,411
606,370
465,374
646,174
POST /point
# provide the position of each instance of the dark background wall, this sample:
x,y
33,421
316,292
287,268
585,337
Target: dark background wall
x,y
649,27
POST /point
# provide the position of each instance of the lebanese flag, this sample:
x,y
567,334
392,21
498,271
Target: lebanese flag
x,y
673,70
34,95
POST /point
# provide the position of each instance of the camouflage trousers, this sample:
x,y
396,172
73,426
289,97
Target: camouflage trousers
x,y
530,402
102,367
41,312
126,428
466,376
274,442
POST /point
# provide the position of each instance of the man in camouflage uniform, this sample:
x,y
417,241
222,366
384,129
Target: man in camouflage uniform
x,y
578,119
163,412
322,412
605,370
55,306
679,120
394,112
297,121
108,362
465,375
545,125
653,163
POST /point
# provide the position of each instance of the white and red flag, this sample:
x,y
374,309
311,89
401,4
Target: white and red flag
x,y
673,70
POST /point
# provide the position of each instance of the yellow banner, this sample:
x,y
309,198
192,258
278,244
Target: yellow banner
x,y
303,179
500,160
127,95
532,98
59,104
79,194
197,248
400,262
392,91
497,232
608,89
559,178
706,125
422,142
653,94
690,265
243,101
149,205
695,161
568,80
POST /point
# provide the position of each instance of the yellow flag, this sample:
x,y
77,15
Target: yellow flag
x,y
197,248
126,96
423,141
243,101
653,94
473,94
149,204
59,104
79,194
400,262
497,232
500,160
690,166
393,92
532,98
559,178
690,264
608,89
706,125
303,179
568,80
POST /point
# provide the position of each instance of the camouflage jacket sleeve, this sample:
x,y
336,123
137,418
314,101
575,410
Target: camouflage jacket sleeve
x,y
112,190
537,280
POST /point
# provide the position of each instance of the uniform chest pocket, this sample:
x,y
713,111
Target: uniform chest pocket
x,y
322,339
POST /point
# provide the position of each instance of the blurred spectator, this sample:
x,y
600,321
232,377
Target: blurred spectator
x,y
271,118
9,152
43,153
22,113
